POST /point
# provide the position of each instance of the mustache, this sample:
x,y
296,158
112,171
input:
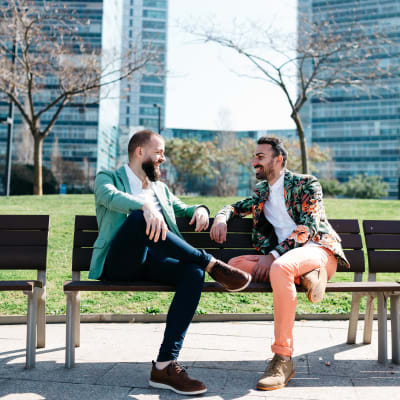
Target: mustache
x,y
258,166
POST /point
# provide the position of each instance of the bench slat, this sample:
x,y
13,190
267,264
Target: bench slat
x,y
85,222
19,285
23,257
351,241
383,242
22,238
24,222
381,226
384,261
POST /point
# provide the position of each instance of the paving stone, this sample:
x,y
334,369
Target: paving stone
x,y
127,374
29,390
323,366
113,362
54,371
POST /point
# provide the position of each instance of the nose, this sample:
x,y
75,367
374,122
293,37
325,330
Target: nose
x,y
253,162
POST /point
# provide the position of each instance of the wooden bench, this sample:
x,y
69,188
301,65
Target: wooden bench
x,y
238,242
23,246
382,239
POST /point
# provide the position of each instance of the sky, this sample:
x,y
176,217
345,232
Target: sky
x,y
204,89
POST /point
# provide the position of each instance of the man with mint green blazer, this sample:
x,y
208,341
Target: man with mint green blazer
x,y
114,201
139,240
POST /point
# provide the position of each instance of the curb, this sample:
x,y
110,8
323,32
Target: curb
x,y
152,318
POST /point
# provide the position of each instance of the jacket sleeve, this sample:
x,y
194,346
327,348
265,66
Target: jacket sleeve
x,y
310,216
107,195
241,208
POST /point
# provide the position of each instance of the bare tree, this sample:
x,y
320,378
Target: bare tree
x,y
53,66
322,55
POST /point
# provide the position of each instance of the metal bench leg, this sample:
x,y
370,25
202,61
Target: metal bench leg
x,y
382,328
395,319
31,329
353,321
77,322
369,319
41,319
70,330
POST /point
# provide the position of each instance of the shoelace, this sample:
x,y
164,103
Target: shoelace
x,y
275,362
179,368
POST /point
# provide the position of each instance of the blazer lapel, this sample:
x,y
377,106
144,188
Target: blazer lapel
x,y
160,194
287,191
121,173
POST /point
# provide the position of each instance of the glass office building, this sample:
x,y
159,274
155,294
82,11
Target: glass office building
x,y
143,97
362,130
86,133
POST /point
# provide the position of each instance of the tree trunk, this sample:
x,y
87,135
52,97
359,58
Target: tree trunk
x,y
303,148
37,164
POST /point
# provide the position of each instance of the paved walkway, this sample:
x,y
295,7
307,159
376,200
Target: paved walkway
x,y
113,362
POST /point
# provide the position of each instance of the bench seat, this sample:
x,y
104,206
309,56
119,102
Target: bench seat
x,y
98,286
20,285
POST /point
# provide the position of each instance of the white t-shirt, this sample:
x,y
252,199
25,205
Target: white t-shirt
x,y
142,195
276,213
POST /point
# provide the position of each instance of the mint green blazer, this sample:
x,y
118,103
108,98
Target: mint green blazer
x,y
114,202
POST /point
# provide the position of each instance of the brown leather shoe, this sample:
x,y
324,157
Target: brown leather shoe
x,y
174,377
231,278
315,284
277,375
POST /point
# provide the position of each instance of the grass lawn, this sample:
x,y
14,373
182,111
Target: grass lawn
x,y
62,210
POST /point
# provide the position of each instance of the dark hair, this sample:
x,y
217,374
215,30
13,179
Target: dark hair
x,y
139,139
277,146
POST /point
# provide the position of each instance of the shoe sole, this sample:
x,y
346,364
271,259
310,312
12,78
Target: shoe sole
x,y
242,287
165,386
316,293
276,387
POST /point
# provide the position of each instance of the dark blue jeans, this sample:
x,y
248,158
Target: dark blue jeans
x,y
132,257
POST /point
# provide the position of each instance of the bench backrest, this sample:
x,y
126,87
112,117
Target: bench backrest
x,y
382,240
23,242
238,241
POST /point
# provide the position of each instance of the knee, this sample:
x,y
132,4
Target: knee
x,y
194,273
234,262
135,217
278,271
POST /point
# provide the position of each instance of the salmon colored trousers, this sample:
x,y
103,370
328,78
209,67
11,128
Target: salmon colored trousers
x,y
285,272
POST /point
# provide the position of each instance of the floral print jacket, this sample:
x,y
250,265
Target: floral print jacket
x,y
303,198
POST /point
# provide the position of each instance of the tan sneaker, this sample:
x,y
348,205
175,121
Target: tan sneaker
x,y
174,377
231,278
315,284
277,375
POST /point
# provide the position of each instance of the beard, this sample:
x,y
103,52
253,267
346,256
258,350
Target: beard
x,y
264,173
151,170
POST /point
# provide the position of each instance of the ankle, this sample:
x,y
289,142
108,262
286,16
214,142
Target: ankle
x,y
162,364
211,265
286,358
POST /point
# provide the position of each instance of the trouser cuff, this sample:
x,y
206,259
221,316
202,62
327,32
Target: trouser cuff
x,y
284,351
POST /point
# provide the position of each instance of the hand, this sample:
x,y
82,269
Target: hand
x,y
262,268
155,223
219,229
200,216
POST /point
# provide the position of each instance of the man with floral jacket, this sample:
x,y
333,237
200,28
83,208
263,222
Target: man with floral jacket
x,y
295,242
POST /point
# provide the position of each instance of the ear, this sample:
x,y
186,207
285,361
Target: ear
x,y
280,159
139,151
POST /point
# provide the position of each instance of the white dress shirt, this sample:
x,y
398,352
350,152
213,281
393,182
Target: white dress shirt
x,y
276,213
143,195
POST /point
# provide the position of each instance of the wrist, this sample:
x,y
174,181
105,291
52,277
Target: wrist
x,y
220,218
